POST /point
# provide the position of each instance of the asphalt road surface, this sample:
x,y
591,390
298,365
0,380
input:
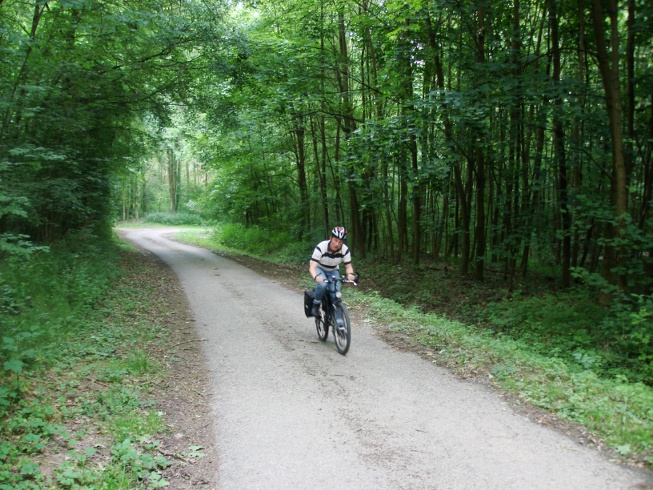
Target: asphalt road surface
x,y
292,413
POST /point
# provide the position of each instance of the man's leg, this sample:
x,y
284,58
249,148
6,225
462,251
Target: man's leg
x,y
319,292
336,296
334,287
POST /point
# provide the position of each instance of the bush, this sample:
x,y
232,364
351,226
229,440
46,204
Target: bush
x,y
571,326
298,252
176,219
75,328
629,330
43,294
252,240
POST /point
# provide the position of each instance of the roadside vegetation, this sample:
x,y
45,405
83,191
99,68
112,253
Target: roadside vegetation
x,y
554,349
81,329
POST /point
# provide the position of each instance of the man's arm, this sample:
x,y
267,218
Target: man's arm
x,y
312,268
350,271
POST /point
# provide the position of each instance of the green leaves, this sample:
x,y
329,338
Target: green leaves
x,y
83,363
14,366
75,84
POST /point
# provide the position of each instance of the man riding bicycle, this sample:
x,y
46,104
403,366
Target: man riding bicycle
x,y
327,257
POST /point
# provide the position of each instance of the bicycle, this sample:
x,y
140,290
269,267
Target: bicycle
x,y
335,315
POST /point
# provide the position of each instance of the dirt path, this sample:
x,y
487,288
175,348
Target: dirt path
x,y
290,412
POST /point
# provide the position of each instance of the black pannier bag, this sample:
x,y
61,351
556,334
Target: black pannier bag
x,y
308,303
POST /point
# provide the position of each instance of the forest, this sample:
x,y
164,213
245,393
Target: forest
x,y
492,142
511,136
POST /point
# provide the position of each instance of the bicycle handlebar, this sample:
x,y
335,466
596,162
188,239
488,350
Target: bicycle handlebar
x,y
354,282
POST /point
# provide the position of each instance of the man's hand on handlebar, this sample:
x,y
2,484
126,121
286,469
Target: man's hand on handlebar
x,y
353,278
350,277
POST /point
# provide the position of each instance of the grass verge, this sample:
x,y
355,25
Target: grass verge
x,y
80,371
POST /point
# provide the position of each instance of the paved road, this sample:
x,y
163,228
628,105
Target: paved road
x,y
292,413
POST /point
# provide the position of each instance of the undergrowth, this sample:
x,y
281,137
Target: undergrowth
x,y
253,241
75,379
176,219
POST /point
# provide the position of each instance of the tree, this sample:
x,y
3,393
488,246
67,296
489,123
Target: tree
x,y
75,79
609,70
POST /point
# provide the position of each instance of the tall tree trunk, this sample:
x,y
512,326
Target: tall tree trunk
x,y
348,127
462,192
322,169
300,153
647,171
402,208
16,108
449,140
559,150
630,90
318,135
609,69
409,113
173,179
577,131
144,208
479,232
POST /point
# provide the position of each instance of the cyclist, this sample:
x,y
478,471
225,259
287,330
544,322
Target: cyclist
x,y
324,264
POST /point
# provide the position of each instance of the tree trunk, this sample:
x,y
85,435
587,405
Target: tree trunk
x,y
559,150
408,113
320,153
173,179
144,197
609,69
630,89
479,232
348,127
449,140
465,212
322,169
402,209
300,153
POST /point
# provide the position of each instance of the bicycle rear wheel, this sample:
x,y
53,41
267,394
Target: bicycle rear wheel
x,y
342,330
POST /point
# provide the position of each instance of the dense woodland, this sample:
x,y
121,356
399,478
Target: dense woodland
x,y
512,135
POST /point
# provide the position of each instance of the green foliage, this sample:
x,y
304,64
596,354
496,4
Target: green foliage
x,y
84,360
572,326
252,240
176,219
626,329
629,329
143,465
297,251
76,79
272,245
543,314
12,244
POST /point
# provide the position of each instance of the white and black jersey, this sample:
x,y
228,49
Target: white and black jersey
x,y
328,260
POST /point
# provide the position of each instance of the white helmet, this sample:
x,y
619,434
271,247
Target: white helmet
x,y
339,232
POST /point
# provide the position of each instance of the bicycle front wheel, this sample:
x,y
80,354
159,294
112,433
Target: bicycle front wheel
x,y
322,327
342,329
